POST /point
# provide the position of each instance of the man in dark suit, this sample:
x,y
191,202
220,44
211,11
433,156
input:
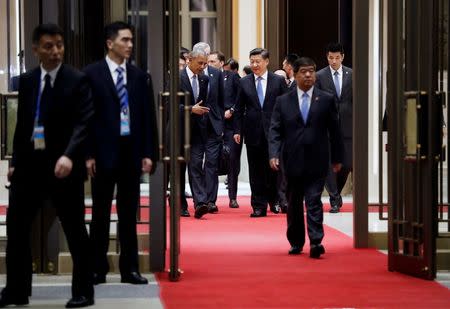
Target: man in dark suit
x,y
204,173
303,130
55,106
230,91
256,99
193,80
337,79
121,149
287,67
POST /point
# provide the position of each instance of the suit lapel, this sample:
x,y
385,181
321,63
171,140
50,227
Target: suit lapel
x,y
253,92
330,81
131,84
203,87
268,87
110,82
345,80
36,82
186,84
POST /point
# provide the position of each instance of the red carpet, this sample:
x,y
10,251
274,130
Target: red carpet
x,y
232,261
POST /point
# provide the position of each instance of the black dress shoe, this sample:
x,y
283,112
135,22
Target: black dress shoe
x,y
99,279
6,300
295,250
200,210
80,301
316,251
185,213
275,208
284,208
334,209
212,208
258,213
133,278
233,204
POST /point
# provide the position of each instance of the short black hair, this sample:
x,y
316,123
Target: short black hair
x,y
46,29
260,51
112,30
303,62
247,69
290,58
234,65
335,48
220,55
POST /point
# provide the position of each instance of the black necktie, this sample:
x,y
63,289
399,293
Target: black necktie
x,y
46,97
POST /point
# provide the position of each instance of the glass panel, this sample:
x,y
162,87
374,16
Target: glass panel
x,y
140,5
8,118
204,30
139,56
202,5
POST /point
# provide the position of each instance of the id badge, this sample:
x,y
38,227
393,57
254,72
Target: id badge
x,y
124,124
39,138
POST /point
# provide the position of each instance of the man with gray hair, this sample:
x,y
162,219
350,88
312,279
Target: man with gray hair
x,y
204,178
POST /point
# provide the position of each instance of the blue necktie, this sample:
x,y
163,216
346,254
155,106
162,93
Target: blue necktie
x,y
259,91
122,93
195,87
336,83
304,109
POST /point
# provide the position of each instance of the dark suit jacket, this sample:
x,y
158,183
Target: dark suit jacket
x,y
325,82
215,99
256,120
230,88
230,93
105,129
65,121
305,148
198,122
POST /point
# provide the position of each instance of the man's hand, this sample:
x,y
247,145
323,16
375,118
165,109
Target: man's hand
x,y
90,166
275,164
147,164
228,114
63,167
237,138
10,173
336,167
198,109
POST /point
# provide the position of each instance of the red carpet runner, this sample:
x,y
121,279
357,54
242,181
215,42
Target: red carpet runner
x,y
232,261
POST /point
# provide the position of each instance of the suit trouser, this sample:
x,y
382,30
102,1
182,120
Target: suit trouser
x,y
334,184
127,178
203,175
263,180
182,179
235,162
308,189
281,184
30,188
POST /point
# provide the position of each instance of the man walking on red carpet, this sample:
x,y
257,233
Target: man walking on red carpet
x,y
305,131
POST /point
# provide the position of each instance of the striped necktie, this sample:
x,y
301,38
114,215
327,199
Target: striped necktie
x,y
122,93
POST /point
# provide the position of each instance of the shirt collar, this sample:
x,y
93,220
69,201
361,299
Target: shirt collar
x,y
190,73
301,92
113,66
338,70
52,73
264,76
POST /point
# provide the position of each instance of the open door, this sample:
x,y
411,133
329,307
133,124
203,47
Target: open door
x,y
414,109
